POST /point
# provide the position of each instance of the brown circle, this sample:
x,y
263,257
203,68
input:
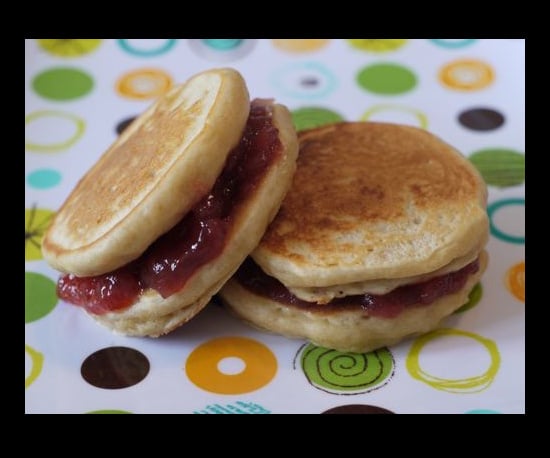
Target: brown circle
x,y
357,409
122,125
481,119
115,367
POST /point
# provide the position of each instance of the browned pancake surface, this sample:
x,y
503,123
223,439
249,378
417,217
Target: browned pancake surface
x,y
371,201
160,166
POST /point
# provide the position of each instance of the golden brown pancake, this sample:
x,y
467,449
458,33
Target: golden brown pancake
x,y
163,169
371,201
154,315
372,207
160,166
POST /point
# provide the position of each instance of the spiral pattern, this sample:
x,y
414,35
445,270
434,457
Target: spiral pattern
x,y
346,373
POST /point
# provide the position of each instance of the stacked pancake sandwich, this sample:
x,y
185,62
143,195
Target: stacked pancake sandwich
x,y
380,237
174,206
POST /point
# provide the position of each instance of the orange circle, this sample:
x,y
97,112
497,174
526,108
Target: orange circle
x,y
202,365
145,83
515,280
300,45
467,75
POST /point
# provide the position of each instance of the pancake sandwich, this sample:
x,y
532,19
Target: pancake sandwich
x,y
379,238
172,208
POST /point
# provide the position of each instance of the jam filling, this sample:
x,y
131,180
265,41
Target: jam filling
x,y
197,239
389,305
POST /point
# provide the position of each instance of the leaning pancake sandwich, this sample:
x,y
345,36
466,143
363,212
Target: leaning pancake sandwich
x,y
380,237
173,207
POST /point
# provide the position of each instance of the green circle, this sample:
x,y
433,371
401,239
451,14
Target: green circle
x,y
40,296
62,83
386,79
500,167
44,178
335,371
310,117
108,411
473,299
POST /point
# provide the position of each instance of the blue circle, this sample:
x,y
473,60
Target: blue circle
x,y
453,44
44,178
306,80
492,208
225,44
147,52
223,50
482,411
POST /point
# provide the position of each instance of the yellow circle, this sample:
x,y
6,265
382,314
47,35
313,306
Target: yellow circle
x,y
144,83
78,123
467,75
36,223
69,47
202,365
301,45
421,117
377,44
465,385
515,280
37,359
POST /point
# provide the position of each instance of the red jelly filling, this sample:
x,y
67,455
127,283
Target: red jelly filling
x,y
197,239
389,305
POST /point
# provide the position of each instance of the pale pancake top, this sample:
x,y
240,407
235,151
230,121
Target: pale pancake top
x,y
160,166
374,201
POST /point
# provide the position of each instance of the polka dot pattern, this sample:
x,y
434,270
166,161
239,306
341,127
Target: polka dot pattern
x,y
144,83
80,94
310,117
69,47
397,114
349,373
473,299
300,45
453,44
500,167
204,365
357,409
40,296
34,360
62,83
466,75
515,281
386,79
222,50
377,45
466,384
115,368
147,49
503,221
481,119
36,223
44,178
307,80
57,130
122,125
